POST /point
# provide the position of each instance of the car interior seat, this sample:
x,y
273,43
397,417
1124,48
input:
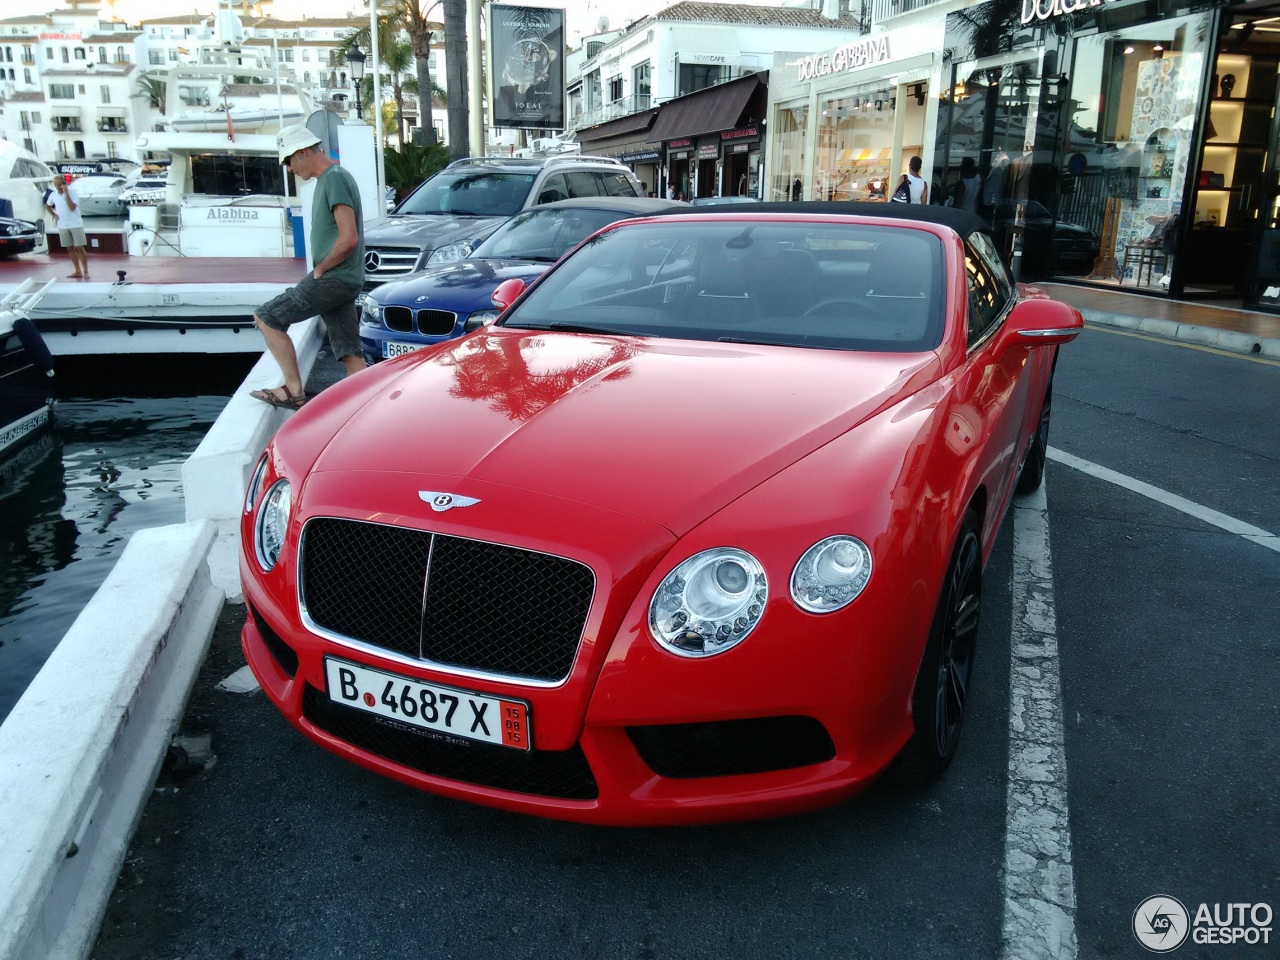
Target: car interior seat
x,y
723,295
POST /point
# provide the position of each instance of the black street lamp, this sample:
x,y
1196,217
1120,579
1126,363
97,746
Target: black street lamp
x,y
356,58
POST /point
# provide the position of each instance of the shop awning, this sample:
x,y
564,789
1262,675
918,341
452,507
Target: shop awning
x,y
706,111
107,111
630,124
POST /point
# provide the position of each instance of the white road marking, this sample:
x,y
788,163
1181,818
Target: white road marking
x,y
1259,536
242,681
1039,882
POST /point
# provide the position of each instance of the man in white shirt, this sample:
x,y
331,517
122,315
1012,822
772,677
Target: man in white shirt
x,y
64,204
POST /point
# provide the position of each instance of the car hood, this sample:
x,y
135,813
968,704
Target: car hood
x,y
428,231
463,284
668,431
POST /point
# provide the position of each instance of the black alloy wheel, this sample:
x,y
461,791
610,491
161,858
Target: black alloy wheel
x,y
1032,473
942,685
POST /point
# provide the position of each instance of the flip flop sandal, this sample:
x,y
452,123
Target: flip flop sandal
x,y
288,401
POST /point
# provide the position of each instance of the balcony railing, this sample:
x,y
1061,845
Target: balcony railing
x,y
107,127
882,10
67,126
610,111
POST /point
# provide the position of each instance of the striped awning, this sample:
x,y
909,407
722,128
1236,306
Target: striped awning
x,y
847,157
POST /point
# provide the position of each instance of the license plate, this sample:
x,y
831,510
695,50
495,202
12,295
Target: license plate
x,y
392,349
429,706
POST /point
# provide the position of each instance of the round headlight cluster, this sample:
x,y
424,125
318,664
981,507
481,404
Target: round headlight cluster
x,y
449,253
370,311
831,574
709,603
272,524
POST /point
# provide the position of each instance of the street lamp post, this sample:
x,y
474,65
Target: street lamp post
x,y
356,58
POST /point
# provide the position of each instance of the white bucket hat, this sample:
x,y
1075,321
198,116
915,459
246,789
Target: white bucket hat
x,y
294,138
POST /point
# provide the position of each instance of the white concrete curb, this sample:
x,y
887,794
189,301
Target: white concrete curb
x,y
80,752
1230,340
214,477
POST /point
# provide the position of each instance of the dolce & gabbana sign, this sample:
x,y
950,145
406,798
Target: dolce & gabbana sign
x,y
852,56
1033,10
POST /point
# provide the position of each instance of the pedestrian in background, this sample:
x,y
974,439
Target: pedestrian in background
x,y
330,290
916,183
64,204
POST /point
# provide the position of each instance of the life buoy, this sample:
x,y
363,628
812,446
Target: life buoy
x,y
34,344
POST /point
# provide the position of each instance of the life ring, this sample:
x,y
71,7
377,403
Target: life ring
x,y
34,344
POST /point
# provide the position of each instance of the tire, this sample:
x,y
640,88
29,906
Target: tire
x,y
1032,473
946,669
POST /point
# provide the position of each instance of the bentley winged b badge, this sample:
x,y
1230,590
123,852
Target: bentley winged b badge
x,y
440,502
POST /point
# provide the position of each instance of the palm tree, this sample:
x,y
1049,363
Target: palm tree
x,y
152,89
412,17
455,45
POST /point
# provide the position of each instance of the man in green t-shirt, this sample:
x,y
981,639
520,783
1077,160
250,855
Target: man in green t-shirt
x,y
330,290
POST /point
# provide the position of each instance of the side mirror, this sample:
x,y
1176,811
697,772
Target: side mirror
x,y
508,292
1040,322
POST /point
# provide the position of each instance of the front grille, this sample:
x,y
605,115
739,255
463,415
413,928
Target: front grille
x,y
431,323
399,319
563,774
389,262
436,323
447,600
727,747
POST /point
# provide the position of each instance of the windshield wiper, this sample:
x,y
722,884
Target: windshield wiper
x,y
577,328
771,343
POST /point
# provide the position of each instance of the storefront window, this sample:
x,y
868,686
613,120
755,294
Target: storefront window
x,y
789,128
1129,145
855,145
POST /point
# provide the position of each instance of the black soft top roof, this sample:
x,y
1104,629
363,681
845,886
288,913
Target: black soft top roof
x,y
961,221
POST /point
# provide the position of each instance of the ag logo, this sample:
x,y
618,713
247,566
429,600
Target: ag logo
x,y
440,502
1161,923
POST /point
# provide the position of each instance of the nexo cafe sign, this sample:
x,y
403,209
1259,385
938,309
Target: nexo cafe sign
x,y
1041,10
866,52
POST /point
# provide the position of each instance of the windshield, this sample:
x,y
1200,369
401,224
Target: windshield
x,y
545,234
470,194
839,286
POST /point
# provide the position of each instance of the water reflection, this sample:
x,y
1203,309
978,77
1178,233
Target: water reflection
x,y
70,501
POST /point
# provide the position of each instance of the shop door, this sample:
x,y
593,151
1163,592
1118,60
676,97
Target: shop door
x,y
1256,42
1230,243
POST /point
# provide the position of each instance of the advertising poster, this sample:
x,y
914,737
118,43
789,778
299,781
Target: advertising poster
x,y
526,47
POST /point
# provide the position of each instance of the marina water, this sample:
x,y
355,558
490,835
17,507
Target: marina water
x,y
71,499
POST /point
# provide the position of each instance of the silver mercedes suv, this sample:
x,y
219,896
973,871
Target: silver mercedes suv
x,y
448,215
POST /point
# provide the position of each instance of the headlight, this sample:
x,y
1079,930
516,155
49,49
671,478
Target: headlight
x,y
255,484
480,318
831,574
371,311
449,253
272,524
14,230
709,603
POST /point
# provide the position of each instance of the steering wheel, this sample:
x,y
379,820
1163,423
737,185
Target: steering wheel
x,y
834,306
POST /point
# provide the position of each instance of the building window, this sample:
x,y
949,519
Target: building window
x,y
28,56
121,56
615,89
288,55
8,54
640,79
35,116
173,56
62,149
111,149
66,55
26,77
48,53
62,91
306,76
80,54
102,54
156,57
594,47
306,56
699,76
106,93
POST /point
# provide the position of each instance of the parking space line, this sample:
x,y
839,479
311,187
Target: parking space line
x,y
1220,520
1039,881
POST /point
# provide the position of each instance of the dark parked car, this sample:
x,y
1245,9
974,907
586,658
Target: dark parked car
x,y
19,236
449,214
1049,245
440,303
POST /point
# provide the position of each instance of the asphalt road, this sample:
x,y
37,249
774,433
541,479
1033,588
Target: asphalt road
x,y
1167,652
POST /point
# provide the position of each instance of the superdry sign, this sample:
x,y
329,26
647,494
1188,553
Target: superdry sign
x,y
1033,10
852,56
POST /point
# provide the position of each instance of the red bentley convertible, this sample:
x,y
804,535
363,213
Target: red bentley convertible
x,y
695,531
